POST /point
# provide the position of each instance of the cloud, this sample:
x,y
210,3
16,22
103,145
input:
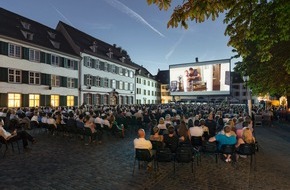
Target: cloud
x,y
123,8
172,50
62,15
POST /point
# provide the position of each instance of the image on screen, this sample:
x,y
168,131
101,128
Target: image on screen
x,y
201,78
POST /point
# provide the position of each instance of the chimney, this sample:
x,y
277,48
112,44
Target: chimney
x,y
196,59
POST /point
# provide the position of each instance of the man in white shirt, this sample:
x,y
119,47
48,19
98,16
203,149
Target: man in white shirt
x,y
142,143
23,135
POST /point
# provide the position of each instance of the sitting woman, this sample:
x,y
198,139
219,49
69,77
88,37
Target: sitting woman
x,y
225,139
161,126
171,140
247,138
156,136
194,130
205,130
182,132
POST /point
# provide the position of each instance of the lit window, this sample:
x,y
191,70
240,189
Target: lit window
x,y
54,60
70,101
14,51
54,100
34,100
55,80
34,78
34,55
14,76
14,100
70,82
125,86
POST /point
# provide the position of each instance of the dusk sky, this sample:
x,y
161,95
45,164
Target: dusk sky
x,y
138,28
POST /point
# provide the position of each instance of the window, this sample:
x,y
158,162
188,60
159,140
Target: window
x,y
105,66
34,100
54,60
88,98
106,82
98,81
55,44
14,100
148,92
144,92
106,98
121,85
138,90
237,94
113,85
70,82
97,64
131,87
34,78
120,71
51,34
54,100
148,83
144,82
98,99
152,84
25,25
34,55
89,80
14,76
14,51
126,86
55,80
152,93
126,72
70,64
131,74
113,69
70,101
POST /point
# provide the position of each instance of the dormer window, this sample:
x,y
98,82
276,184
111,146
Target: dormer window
x,y
55,44
139,71
94,47
148,75
25,25
27,35
51,34
110,53
122,59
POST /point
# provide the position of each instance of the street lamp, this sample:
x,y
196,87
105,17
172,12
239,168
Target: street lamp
x,y
248,96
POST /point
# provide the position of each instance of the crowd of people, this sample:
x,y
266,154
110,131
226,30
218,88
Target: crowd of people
x,y
171,124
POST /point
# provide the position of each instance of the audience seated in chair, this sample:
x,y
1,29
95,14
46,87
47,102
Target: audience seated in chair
x,y
171,140
225,139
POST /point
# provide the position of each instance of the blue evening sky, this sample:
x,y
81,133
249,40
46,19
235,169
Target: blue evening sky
x,y
138,28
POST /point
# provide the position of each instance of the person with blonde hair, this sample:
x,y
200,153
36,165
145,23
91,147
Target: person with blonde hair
x,y
247,138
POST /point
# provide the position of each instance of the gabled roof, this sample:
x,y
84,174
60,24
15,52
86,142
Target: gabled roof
x,y
12,26
163,76
84,42
142,71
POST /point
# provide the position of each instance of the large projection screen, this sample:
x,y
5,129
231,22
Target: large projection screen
x,y
200,78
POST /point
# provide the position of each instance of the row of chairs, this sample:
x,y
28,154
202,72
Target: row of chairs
x,y
187,153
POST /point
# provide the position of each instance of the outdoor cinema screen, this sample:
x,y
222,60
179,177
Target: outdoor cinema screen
x,y
200,78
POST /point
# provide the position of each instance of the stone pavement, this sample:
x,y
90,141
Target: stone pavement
x,y
57,162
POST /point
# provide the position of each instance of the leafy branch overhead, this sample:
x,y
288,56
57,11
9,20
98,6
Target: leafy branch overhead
x,y
259,31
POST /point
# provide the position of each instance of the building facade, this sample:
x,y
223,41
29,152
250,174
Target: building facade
x,y
37,65
107,74
163,78
147,87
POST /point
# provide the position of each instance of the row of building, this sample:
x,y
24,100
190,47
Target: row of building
x,y
41,66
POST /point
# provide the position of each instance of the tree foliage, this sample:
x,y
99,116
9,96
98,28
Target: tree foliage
x,y
259,32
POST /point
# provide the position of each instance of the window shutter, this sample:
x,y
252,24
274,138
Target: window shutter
x,y
102,65
85,61
63,82
76,99
3,99
25,78
3,74
48,59
76,83
3,48
42,57
25,100
76,65
86,79
117,84
102,82
61,62
65,62
25,53
62,100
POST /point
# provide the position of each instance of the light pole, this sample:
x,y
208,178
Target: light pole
x,y
248,96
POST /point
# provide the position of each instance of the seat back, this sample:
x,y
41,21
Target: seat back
x,y
210,147
87,131
164,155
98,126
183,155
228,149
246,149
156,145
196,141
143,155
